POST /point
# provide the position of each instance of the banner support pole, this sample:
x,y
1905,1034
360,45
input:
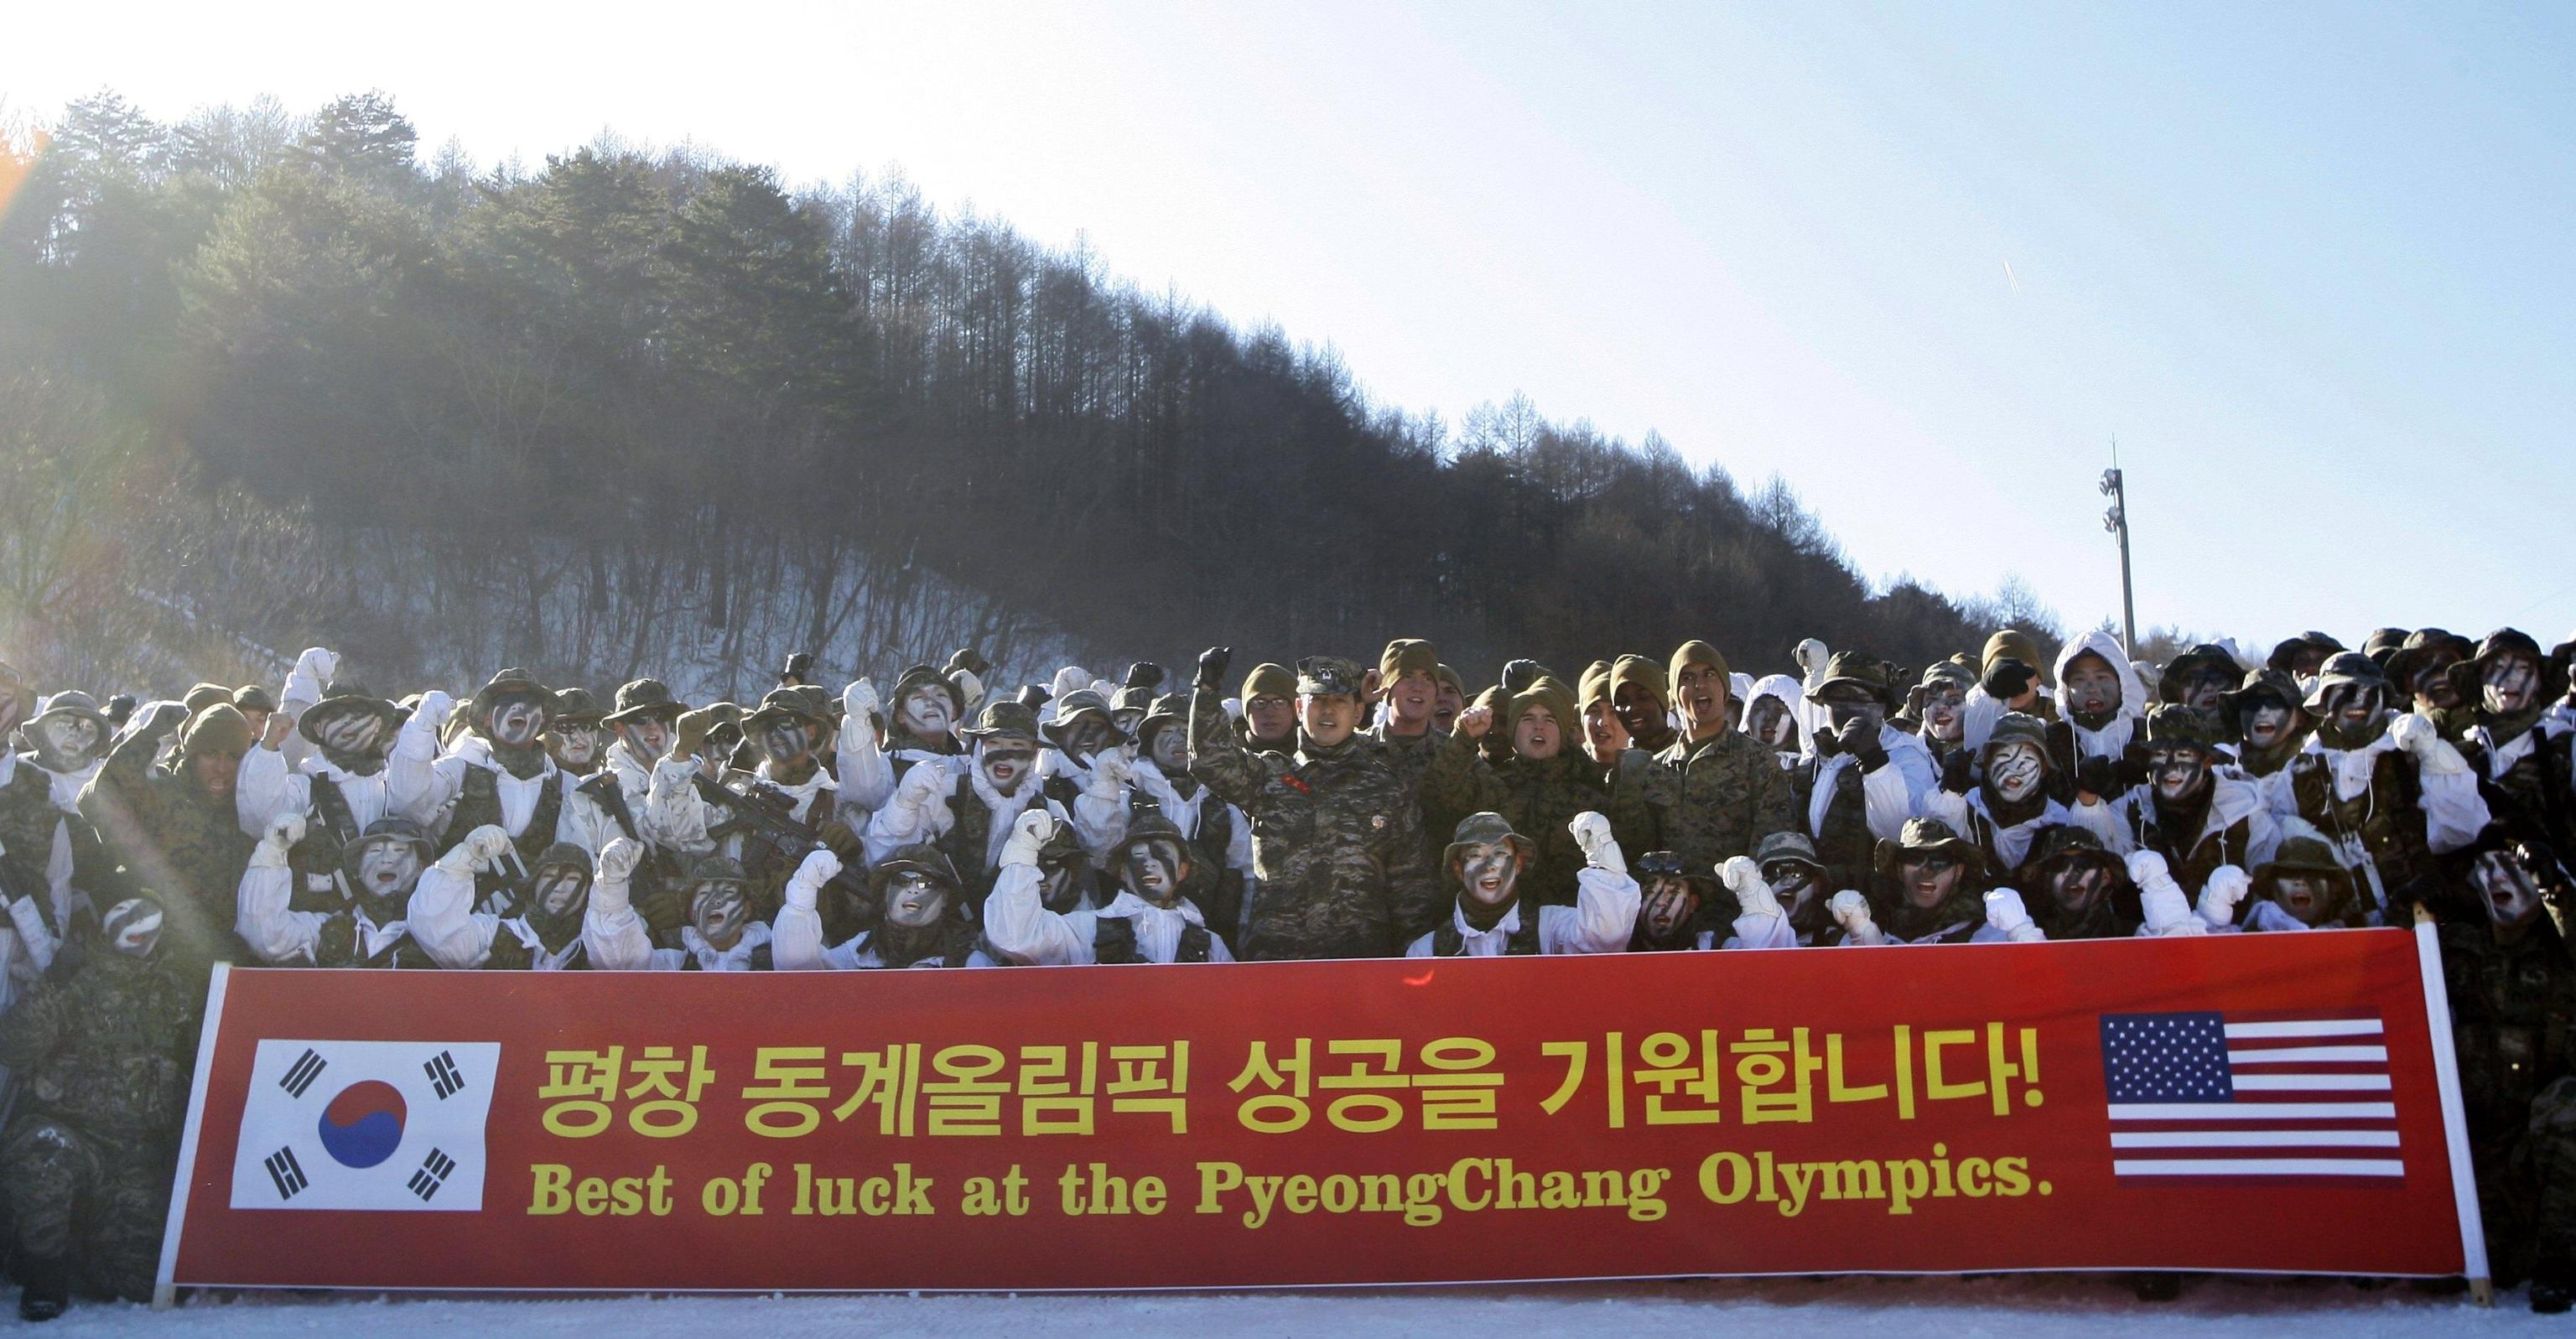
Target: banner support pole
x,y
165,1291
2455,1125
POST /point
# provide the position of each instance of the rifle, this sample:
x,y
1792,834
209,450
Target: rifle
x,y
760,813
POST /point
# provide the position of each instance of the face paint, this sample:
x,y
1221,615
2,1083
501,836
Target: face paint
x,y
1843,705
1152,870
719,910
2266,723
786,741
1945,713
2307,660
647,737
575,746
354,734
2092,691
1929,878
2180,772
926,712
1792,881
1005,763
388,867
1768,720
2202,688
914,899
1705,698
561,890
517,720
133,926
1535,735
2432,681
1412,698
1088,735
2303,895
1603,734
2076,886
1061,879
2351,713
2016,769
1445,707
2511,684
2510,895
1170,750
1271,716
1669,908
72,740
1490,873
1328,718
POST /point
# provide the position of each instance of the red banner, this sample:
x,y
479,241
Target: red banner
x,y
2269,1103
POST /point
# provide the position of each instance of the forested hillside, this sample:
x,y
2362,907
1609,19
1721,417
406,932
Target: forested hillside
x,y
269,378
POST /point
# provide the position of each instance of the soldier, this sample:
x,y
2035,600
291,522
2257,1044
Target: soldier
x,y
1643,700
721,935
1673,904
1604,736
174,831
1488,863
1135,696
1939,895
2199,677
2102,702
2197,816
2303,887
1452,700
1338,853
2520,753
2002,802
1541,785
2386,789
1219,836
2271,726
497,775
1408,687
1772,718
1732,790
104,1049
929,706
787,731
917,917
68,739
2513,994
1940,710
2304,656
2077,889
1150,920
546,937
2419,671
53,873
370,927
1269,723
1868,778
967,806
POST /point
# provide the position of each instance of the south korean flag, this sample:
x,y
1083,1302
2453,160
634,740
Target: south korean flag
x,y
365,1125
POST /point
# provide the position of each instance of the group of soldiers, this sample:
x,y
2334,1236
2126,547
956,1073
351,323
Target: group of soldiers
x,y
1329,810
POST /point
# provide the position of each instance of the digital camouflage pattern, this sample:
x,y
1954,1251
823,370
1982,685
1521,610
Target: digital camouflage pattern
x,y
177,843
1732,795
1341,865
2512,1006
1538,799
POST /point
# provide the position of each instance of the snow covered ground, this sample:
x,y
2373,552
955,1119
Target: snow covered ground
x,y
2025,1308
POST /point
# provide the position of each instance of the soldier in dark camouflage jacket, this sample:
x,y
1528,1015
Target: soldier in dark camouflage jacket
x,y
173,830
1732,792
1336,844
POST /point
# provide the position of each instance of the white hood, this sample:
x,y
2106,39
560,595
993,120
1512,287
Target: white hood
x,y
1791,694
2133,693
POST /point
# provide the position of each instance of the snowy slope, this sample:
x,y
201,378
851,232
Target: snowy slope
x,y
1862,1308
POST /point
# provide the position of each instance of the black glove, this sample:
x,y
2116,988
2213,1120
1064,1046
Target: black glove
x,y
1519,674
800,670
1959,772
2007,679
1212,663
2095,776
1143,674
972,661
2131,769
1859,738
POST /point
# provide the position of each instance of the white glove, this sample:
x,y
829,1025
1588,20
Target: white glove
x,y
2226,887
2009,917
1070,679
1110,772
1851,911
1028,833
157,719
283,832
434,709
859,701
1601,849
2146,867
2167,911
1233,708
1811,657
1753,894
918,786
2434,755
482,846
319,664
970,688
820,867
618,859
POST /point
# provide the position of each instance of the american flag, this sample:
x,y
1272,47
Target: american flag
x,y
2201,1094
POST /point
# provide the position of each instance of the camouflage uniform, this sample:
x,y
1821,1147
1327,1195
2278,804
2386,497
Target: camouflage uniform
x,y
174,841
105,1049
1732,794
1337,845
1540,798
2512,1005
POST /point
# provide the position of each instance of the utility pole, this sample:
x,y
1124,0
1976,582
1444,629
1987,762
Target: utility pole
x,y
2116,520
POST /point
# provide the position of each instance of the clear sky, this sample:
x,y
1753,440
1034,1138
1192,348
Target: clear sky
x,y
2310,264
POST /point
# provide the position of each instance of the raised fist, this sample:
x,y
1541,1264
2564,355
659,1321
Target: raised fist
x,y
484,845
285,830
1475,721
2005,912
1519,674
2007,679
689,733
1143,674
318,664
1741,875
859,701
1212,663
1034,824
819,867
1850,910
2146,867
618,859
